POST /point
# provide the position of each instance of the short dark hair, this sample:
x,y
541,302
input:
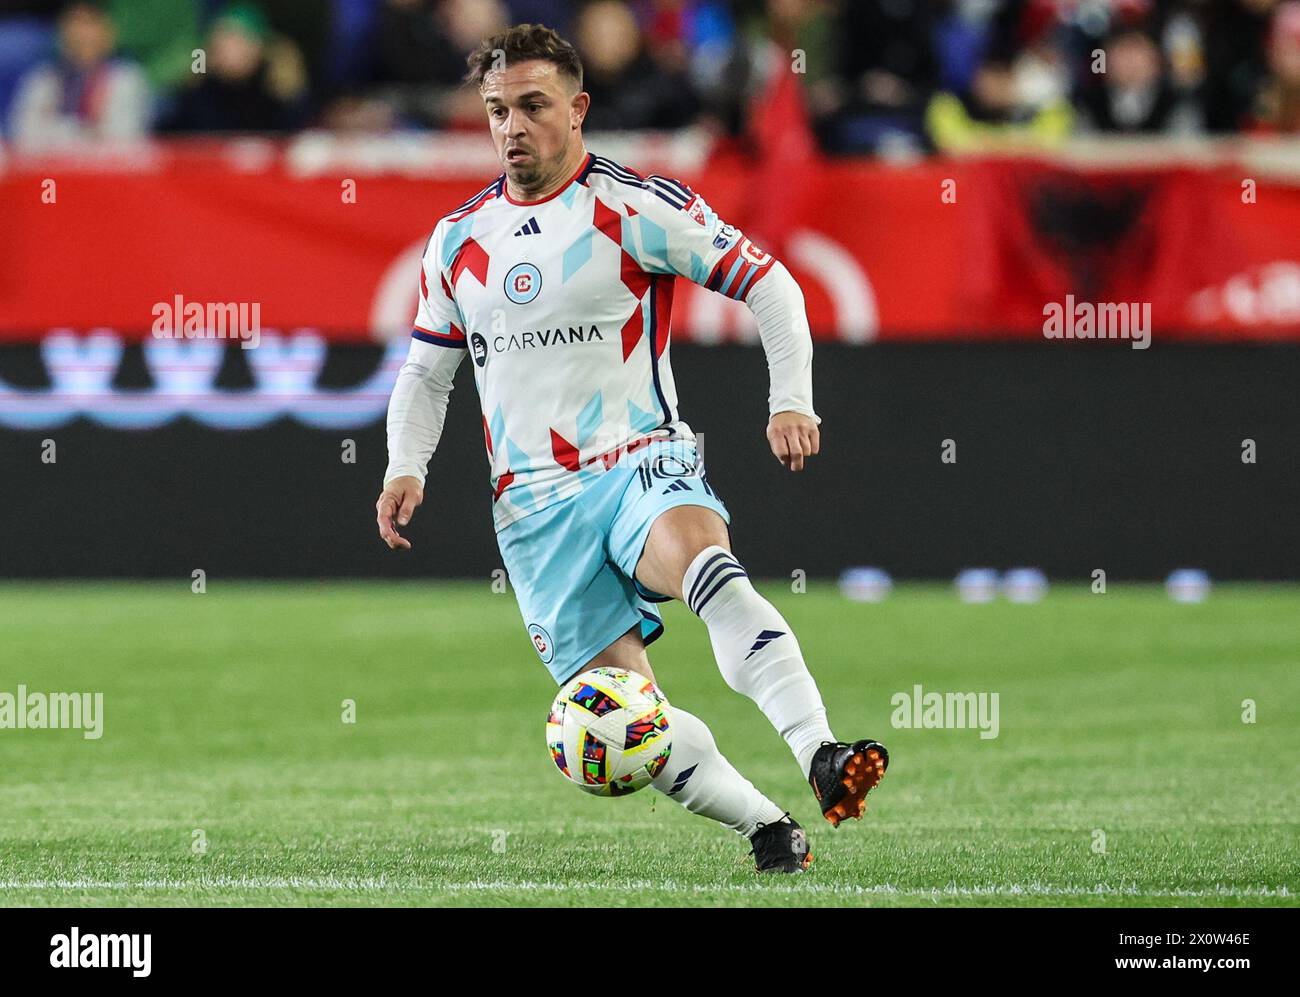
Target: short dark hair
x,y
519,44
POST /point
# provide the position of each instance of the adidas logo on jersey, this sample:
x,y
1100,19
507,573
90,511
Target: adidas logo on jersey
x,y
530,228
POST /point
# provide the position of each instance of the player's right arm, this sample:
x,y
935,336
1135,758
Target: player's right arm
x,y
418,406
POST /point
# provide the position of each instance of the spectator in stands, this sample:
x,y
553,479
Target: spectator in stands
x,y
887,73
994,114
420,50
793,36
87,94
720,59
1279,103
307,24
1135,94
253,81
631,86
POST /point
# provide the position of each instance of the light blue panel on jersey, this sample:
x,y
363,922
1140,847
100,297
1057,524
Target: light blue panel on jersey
x,y
589,419
454,238
571,564
628,243
654,241
497,426
577,254
699,272
639,419
525,498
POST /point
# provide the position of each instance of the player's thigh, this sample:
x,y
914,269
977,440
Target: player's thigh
x,y
676,537
574,602
666,516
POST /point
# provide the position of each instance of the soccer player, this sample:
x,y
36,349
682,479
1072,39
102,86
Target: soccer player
x,y
556,279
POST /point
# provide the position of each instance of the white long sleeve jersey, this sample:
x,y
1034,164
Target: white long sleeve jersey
x,y
563,305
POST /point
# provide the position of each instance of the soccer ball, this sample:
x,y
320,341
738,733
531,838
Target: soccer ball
x,y
609,731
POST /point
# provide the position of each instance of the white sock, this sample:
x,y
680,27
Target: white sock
x,y
705,783
756,650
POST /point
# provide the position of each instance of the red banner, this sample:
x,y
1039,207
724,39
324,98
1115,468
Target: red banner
x,y
938,250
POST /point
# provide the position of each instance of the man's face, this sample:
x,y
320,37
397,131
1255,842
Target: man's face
x,y
86,35
533,112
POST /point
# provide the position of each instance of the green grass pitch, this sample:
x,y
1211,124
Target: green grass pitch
x,y
1120,715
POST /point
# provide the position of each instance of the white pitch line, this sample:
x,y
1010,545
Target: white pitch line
x,y
479,886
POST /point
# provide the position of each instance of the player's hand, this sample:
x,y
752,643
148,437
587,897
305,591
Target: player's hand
x,y
793,436
398,500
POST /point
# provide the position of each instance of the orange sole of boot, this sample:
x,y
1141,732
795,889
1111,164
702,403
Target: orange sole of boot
x,y
861,775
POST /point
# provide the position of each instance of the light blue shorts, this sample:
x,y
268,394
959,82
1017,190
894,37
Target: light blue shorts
x,y
572,565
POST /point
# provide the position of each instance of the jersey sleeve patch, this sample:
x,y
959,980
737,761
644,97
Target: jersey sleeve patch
x,y
739,269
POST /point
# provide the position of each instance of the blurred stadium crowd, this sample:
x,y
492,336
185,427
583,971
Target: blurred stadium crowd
x,y
878,76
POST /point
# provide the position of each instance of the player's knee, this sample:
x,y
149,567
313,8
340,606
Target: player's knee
x,y
690,530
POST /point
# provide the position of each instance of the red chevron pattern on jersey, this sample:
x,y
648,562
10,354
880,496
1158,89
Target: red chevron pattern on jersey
x,y
472,257
609,222
503,482
566,454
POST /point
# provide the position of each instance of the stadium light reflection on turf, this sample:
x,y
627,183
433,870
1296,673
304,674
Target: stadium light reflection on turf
x,y
1188,585
1024,585
977,584
865,584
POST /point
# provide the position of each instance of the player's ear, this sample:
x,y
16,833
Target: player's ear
x,y
578,108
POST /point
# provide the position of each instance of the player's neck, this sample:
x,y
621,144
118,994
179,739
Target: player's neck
x,y
562,176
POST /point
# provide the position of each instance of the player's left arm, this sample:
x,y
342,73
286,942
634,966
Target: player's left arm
x,y
777,303
700,246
